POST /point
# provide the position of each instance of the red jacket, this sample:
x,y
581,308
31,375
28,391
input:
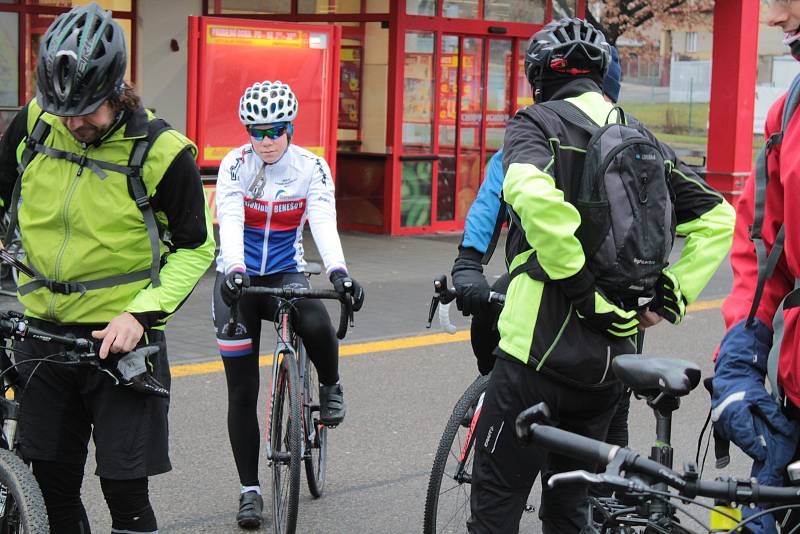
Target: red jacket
x,y
782,207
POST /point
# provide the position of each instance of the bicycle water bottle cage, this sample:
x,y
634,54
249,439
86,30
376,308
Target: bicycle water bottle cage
x,y
652,378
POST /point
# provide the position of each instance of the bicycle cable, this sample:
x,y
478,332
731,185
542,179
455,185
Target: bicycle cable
x,y
695,502
762,513
684,510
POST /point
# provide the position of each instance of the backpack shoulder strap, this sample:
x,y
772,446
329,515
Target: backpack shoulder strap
x,y
767,263
572,114
36,137
138,191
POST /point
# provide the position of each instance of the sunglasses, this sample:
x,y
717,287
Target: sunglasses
x,y
273,133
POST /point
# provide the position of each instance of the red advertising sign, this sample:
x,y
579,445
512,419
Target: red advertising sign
x,y
228,55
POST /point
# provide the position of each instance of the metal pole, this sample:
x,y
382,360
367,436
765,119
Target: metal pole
x,y
691,99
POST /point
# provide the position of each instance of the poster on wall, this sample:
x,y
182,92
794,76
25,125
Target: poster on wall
x,y
231,55
350,88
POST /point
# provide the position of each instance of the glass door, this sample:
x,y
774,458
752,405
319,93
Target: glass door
x,y
474,97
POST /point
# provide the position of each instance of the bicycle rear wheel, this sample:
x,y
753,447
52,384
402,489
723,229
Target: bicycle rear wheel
x,y
286,438
316,434
447,504
21,504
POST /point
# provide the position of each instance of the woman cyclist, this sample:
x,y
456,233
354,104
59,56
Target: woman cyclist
x,y
266,190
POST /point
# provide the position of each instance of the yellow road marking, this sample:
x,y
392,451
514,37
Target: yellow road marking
x,y
370,347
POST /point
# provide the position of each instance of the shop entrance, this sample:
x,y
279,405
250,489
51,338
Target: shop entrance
x,y
449,137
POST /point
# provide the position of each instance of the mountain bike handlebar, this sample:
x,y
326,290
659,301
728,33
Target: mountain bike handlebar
x,y
128,369
595,451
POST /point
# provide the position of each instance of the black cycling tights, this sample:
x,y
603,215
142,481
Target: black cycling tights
x,y
311,322
128,500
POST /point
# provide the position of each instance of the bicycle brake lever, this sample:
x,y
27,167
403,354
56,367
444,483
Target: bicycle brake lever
x,y
432,311
571,477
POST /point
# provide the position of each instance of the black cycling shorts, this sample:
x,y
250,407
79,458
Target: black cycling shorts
x,y
62,406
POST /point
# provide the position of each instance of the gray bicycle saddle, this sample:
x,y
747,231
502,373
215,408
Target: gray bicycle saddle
x,y
649,376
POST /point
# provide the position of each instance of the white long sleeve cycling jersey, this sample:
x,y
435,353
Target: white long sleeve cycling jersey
x,y
262,209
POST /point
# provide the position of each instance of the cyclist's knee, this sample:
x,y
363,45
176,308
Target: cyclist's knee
x,y
129,504
61,488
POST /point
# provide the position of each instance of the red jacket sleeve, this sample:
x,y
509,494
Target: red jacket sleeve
x,y
743,254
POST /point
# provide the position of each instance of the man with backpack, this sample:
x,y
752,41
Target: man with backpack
x,y
117,233
591,232
761,312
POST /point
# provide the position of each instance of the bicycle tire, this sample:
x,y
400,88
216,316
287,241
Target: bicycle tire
x,y
22,509
315,434
286,438
435,522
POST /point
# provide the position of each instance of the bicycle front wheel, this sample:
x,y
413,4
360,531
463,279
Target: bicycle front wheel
x,y
447,504
286,438
21,504
316,434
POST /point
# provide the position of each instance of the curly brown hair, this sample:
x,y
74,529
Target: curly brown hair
x,y
126,99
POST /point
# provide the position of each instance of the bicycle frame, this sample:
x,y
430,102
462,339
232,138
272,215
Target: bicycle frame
x,y
285,347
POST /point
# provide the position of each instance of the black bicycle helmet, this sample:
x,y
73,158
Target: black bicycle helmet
x,y
566,48
82,60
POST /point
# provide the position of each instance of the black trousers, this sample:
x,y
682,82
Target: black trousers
x,y
504,471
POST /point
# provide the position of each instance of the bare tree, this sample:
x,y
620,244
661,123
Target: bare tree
x,y
616,18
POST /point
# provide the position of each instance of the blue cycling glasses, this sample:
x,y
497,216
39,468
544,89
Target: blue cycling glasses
x,y
273,132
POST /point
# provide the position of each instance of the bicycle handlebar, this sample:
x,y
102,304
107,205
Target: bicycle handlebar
x,y
583,448
346,315
18,328
445,295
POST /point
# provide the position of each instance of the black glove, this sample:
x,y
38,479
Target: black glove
x,y
129,369
344,285
669,301
595,309
231,288
472,289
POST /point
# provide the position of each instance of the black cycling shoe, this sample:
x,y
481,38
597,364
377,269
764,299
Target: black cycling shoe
x,y
331,401
251,505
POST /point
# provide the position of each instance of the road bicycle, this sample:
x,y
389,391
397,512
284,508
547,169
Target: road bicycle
x,y
648,494
294,432
22,508
447,500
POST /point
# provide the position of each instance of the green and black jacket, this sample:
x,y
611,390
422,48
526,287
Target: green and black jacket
x,y
77,225
538,325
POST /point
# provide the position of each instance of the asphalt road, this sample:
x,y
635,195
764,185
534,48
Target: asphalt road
x,y
398,402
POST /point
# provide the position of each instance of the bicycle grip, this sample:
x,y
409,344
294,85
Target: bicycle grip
x,y
444,318
569,444
345,312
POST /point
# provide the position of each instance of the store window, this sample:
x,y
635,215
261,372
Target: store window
x,y
324,7
564,8
524,94
498,95
418,91
9,60
421,7
245,7
415,202
527,11
460,9
350,75
377,6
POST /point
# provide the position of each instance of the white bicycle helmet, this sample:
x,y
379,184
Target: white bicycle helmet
x,y
267,102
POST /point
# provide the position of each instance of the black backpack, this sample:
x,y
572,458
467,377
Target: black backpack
x,y
626,205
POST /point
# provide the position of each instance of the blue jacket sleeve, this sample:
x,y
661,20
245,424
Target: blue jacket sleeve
x,y
482,215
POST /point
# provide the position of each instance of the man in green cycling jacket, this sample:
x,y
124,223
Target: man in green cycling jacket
x,y
558,336
114,224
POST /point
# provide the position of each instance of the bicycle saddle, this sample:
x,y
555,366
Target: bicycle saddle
x,y
651,376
